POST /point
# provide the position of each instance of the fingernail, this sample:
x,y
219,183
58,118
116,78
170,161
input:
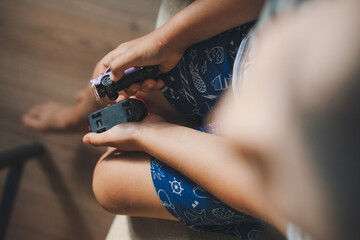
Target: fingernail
x,y
112,76
86,139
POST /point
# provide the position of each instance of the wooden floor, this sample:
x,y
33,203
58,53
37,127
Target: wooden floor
x,y
47,52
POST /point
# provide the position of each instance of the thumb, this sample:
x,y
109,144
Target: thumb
x,y
122,96
97,139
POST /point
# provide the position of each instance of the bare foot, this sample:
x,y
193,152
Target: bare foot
x,y
57,117
50,117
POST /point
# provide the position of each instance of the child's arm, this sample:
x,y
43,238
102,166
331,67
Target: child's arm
x,y
205,18
207,159
165,46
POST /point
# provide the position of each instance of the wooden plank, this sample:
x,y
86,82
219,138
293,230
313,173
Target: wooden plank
x,y
47,52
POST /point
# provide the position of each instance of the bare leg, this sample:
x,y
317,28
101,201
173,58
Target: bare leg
x,y
122,184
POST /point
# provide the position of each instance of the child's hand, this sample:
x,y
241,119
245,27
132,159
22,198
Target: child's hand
x,y
125,136
148,50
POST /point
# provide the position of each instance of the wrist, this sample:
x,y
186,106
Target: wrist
x,y
142,135
175,38
168,41
146,134
136,138
188,26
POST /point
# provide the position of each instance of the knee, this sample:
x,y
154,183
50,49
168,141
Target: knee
x,y
109,187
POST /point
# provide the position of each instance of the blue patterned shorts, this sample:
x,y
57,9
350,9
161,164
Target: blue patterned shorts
x,y
192,88
194,85
197,208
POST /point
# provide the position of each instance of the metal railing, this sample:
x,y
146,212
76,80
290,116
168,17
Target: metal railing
x,y
15,160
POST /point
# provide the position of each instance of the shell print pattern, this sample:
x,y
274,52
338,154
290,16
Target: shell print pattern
x,y
198,82
221,82
192,87
216,55
222,213
254,234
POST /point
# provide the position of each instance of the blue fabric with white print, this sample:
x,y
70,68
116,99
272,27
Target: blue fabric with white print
x,y
192,88
203,73
197,208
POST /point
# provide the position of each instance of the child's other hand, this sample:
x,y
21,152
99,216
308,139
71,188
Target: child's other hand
x,y
125,136
146,86
148,50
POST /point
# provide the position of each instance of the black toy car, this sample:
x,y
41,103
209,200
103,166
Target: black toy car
x,y
129,110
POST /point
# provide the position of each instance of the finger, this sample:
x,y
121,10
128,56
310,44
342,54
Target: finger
x,y
103,66
102,69
134,88
119,64
120,98
97,139
124,94
106,60
160,84
148,85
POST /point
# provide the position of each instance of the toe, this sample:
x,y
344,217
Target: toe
x,y
32,122
35,111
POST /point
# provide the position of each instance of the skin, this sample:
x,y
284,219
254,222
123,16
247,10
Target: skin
x,y
122,182
122,199
114,173
263,154
251,157
264,161
57,117
151,135
163,47
267,119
